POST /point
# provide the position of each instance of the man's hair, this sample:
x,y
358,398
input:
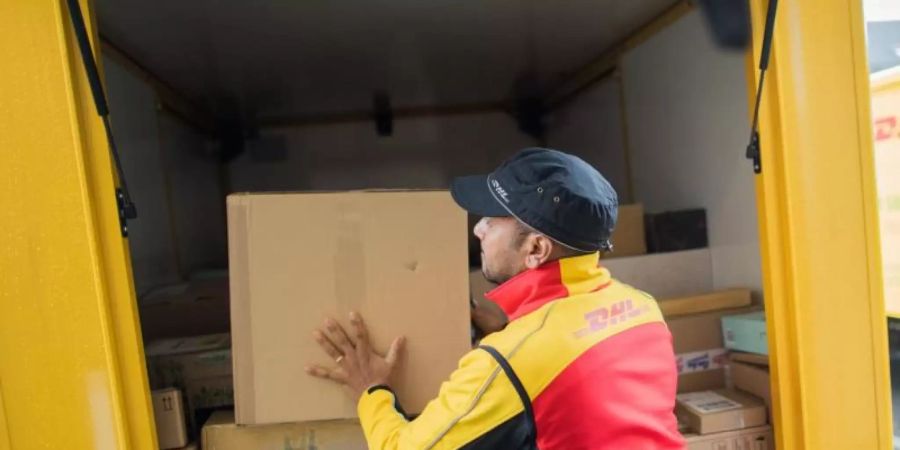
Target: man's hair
x,y
522,232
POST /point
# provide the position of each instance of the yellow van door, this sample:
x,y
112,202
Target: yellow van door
x,y
819,230
71,363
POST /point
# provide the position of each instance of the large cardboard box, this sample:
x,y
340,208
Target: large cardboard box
x,y
708,412
628,238
665,275
168,412
221,433
200,366
699,349
746,332
398,258
752,379
758,438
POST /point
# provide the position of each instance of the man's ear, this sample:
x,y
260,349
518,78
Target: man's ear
x,y
540,249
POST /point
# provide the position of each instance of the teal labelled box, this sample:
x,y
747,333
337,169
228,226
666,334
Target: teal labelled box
x,y
746,333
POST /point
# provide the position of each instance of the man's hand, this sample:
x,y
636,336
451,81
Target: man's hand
x,y
359,367
488,317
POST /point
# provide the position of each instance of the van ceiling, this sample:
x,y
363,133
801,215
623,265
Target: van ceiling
x,y
275,58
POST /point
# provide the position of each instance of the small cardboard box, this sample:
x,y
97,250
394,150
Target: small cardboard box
x,y
628,238
746,332
752,379
398,258
699,349
708,412
759,438
714,301
200,366
221,433
665,275
168,411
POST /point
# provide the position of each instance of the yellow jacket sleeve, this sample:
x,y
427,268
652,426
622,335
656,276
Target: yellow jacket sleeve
x,y
476,408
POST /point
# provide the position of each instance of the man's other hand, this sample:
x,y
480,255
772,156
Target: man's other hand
x,y
359,367
487,316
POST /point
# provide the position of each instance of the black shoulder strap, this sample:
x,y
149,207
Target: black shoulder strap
x,y
517,384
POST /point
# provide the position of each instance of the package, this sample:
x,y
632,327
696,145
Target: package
x,y
665,275
200,366
676,230
396,257
752,379
195,308
628,237
694,304
168,412
746,333
699,349
221,433
708,412
758,438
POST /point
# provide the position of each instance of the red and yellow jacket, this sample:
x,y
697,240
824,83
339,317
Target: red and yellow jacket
x,y
593,355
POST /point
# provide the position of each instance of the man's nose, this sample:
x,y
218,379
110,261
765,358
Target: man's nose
x,y
480,228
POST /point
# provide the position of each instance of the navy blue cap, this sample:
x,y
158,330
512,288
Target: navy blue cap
x,y
554,193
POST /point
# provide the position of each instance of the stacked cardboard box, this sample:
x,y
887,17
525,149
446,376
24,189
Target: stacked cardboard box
x,y
168,413
746,333
758,438
398,258
709,412
221,433
628,238
199,366
194,308
750,373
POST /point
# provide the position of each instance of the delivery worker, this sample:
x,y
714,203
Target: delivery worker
x,y
585,362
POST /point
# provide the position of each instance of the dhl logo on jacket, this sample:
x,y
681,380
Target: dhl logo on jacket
x,y
593,356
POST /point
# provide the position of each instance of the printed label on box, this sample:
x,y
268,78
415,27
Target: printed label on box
x,y
707,402
701,361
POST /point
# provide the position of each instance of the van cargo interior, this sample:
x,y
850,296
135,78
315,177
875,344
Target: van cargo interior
x,y
213,98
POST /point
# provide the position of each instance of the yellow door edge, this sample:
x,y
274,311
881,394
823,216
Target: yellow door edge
x,y
71,359
820,262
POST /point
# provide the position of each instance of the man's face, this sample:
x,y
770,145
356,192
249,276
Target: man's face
x,y
502,248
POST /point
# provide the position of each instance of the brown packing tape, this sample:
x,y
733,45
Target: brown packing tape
x,y
349,258
239,274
